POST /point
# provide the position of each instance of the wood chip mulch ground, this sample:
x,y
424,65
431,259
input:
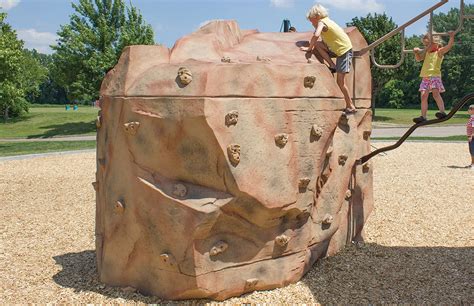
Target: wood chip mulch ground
x,y
419,240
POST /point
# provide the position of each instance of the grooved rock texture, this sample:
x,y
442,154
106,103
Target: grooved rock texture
x,y
220,171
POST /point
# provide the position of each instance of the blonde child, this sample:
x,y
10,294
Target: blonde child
x,y
470,133
335,43
432,57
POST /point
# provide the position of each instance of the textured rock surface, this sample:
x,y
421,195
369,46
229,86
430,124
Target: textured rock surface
x,y
230,175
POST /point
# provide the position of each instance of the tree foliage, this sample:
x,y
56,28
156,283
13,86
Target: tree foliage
x,y
20,73
92,42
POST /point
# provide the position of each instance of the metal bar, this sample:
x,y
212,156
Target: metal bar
x,y
454,110
402,56
401,28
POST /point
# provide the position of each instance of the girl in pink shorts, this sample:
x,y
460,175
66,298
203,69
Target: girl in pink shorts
x,y
432,57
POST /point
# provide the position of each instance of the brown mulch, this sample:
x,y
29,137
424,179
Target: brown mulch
x,y
419,246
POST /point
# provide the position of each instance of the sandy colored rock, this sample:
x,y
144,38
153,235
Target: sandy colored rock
x,y
218,167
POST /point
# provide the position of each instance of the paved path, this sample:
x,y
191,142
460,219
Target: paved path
x,y
424,131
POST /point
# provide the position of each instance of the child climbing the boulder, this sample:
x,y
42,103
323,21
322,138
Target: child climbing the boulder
x,y
432,57
335,43
470,133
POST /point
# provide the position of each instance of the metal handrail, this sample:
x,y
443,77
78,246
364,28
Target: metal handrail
x,y
455,109
402,28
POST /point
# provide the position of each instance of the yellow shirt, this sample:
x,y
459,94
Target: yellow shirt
x,y
335,38
431,65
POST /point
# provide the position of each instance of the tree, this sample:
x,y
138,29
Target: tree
x,y
372,28
49,90
20,73
92,42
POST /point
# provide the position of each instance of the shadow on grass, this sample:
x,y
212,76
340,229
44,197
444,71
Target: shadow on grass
x,y
66,129
368,274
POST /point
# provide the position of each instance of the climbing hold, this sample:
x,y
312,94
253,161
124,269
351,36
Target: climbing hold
x,y
98,122
119,207
327,219
367,135
167,259
251,283
348,194
131,127
282,240
304,182
185,76
95,185
231,118
281,139
219,248
233,152
180,190
365,168
316,131
309,81
263,59
342,159
225,59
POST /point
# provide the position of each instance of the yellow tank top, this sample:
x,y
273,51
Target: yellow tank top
x,y
335,38
431,65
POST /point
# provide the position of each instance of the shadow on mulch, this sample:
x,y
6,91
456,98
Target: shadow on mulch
x,y
366,274
80,273
378,274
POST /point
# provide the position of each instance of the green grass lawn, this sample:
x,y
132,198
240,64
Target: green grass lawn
x,y
405,116
34,147
47,122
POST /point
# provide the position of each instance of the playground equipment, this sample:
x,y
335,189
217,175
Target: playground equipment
x,y
401,29
226,165
453,111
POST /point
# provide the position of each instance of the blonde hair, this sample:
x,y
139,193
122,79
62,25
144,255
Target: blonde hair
x,y
436,38
317,11
471,107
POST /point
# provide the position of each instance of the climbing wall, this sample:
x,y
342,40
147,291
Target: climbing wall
x,y
225,165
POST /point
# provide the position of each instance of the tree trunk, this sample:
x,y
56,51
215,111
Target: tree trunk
x,y
5,114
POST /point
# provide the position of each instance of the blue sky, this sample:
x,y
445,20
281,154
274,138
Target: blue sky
x,y
37,21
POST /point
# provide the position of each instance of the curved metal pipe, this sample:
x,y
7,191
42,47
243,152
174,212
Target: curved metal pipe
x,y
453,111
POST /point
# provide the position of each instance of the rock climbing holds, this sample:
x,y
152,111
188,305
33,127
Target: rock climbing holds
x,y
281,139
233,153
131,127
232,118
185,76
309,81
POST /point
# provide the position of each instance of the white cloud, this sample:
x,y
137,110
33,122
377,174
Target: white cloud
x,y
37,40
8,4
367,6
282,3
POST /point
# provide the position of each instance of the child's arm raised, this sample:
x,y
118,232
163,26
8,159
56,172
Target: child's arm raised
x,y
450,44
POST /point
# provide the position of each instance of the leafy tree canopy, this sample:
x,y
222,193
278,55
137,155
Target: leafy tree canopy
x,y
92,42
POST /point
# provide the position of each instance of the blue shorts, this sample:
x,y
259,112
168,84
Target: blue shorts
x,y
471,147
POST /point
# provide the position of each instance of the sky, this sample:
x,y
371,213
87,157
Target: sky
x,y
37,21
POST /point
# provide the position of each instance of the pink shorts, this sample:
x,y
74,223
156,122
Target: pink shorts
x,y
431,83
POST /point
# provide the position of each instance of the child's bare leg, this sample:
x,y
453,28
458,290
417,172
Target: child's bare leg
x,y
439,100
424,102
341,82
324,52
